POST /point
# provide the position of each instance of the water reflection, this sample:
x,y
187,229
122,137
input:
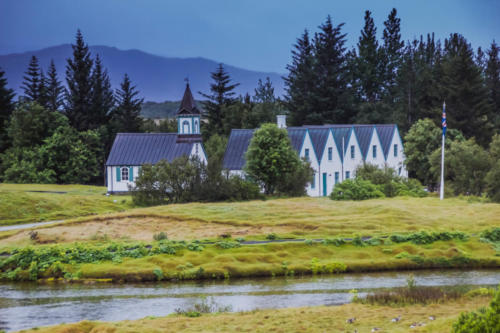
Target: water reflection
x,y
27,305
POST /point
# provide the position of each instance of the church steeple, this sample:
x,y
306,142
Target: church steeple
x,y
188,115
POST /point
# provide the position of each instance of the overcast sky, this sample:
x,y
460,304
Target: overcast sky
x,y
256,34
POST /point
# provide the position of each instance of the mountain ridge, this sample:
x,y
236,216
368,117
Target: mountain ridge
x,y
158,78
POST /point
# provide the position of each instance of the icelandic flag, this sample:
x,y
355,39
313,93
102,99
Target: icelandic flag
x,y
443,120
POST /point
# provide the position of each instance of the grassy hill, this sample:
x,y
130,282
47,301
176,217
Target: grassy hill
x,y
204,238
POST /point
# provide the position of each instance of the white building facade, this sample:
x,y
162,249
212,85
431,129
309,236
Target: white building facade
x,y
335,151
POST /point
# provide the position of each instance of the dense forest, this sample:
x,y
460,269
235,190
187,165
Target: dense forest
x,y
62,133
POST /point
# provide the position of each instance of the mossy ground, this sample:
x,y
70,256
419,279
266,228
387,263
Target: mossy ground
x,y
28,203
310,319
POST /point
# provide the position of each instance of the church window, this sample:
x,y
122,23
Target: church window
x,y
124,174
185,127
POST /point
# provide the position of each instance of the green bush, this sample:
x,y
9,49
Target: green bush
x,y
272,236
481,321
492,235
356,189
160,236
227,244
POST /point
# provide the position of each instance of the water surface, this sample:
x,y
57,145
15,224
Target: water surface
x,y
25,305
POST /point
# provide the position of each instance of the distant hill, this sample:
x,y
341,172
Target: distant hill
x,y
161,110
157,78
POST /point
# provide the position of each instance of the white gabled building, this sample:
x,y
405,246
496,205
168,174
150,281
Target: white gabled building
x,y
132,150
335,151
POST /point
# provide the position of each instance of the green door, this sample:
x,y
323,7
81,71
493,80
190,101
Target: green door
x,y
324,184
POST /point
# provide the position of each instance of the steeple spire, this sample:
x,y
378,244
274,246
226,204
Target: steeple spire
x,y
188,105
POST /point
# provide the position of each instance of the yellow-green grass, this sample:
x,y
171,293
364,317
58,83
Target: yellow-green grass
x,y
277,259
309,319
297,218
25,203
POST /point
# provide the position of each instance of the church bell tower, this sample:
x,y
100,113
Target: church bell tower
x,y
188,116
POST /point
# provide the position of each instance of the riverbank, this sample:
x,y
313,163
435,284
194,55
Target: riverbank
x,y
308,319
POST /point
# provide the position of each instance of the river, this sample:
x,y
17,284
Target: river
x,y
26,305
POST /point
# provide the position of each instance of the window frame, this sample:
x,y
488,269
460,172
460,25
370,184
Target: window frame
x,y
348,175
330,153
123,171
395,150
306,153
374,151
353,152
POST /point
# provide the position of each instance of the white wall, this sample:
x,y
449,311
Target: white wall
x,y
380,159
307,144
198,150
120,186
397,162
330,166
350,164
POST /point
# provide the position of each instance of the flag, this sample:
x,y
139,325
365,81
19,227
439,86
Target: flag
x,y
443,120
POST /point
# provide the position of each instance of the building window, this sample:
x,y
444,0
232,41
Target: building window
x,y
313,183
124,174
196,130
352,151
196,148
347,174
330,152
336,177
399,171
307,154
374,151
395,150
185,127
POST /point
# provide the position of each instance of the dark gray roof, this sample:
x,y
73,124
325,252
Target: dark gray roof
x,y
385,133
319,136
364,135
296,136
141,148
237,145
188,105
340,132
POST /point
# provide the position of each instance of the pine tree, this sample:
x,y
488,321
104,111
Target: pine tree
x,y
300,80
126,115
492,75
264,93
102,100
392,54
221,95
79,82
466,96
369,62
6,108
331,94
33,83
54,89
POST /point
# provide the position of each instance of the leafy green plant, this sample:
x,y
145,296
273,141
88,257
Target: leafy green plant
x,y
227,244
160,236
272,236
356,189
483,320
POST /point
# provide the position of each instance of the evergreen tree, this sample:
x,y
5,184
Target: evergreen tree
x,y
466,95
33,82
54,89
221,95
264,93
392,54
369,62
492,75
300,80
331,95
6,108
102,96
79,82
126,116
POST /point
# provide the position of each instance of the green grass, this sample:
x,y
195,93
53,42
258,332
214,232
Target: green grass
x,y
310,319
25,203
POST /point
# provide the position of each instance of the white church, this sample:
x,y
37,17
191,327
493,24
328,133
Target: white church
x,y
335,151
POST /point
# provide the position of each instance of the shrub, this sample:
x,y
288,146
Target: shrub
x,y
483,320
160,236
272,236
205,306
227,244
333,241
492,235
332,267
356,189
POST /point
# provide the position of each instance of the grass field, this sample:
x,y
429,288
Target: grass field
x,y
25,203
305,218
311,319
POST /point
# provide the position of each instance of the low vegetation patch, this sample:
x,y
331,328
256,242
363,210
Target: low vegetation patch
x,y
483,320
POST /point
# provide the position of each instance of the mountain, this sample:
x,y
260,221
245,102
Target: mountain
x,y
157,78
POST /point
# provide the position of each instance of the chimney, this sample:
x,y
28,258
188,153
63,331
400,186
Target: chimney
x,y
281,121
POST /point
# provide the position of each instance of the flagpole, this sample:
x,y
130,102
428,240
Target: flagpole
x,y
441,188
